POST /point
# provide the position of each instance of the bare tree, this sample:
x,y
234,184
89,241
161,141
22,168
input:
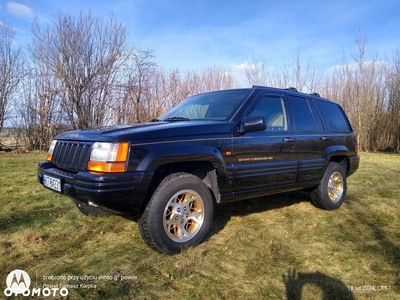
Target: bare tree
x,y
212,78
256,73
393,105
288,74
137,87
150,91
11,69
84,54
360,88
40,115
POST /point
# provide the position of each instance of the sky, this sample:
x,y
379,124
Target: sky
x,y
190,35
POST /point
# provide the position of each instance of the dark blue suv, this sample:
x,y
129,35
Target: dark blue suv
x,y
211,148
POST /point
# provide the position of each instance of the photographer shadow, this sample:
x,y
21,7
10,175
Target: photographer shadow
x,y
331,288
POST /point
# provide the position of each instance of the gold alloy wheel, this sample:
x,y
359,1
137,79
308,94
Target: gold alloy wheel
x,y
183,216
335,187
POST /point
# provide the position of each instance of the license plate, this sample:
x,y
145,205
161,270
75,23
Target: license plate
x,y
52,183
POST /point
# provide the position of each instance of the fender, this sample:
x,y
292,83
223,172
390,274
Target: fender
x,y
336,150
162,154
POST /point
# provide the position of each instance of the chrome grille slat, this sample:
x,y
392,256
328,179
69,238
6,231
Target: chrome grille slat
x,y
72,155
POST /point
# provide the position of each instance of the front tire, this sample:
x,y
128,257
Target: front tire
x,y
178,215
331,192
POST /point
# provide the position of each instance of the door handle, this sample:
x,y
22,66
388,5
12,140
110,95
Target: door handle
x,y
325,138
288,140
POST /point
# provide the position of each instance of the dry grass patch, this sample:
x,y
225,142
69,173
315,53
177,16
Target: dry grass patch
x,y
274,247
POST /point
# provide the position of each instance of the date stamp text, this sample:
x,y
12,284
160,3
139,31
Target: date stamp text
x,y
368,288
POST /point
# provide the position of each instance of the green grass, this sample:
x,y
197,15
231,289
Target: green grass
x,y
274,247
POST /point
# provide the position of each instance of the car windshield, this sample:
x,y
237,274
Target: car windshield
x,y
219,105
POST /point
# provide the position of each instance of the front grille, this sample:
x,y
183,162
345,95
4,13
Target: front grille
x,y
71,155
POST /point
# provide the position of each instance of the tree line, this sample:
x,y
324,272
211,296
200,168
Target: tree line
x,y
80,72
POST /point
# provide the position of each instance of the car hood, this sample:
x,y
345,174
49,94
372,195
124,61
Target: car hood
x,y
149,131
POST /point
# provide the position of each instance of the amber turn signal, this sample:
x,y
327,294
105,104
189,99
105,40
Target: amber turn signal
x,y
104,167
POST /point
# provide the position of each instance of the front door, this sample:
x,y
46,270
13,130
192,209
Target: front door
x,y
265,158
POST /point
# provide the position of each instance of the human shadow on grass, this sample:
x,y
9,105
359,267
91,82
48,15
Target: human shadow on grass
x,y
331,288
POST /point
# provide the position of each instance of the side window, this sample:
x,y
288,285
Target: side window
x,y
335,118
272,108
303,120
319,125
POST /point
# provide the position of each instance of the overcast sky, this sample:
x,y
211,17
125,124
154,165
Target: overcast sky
x,y
189,35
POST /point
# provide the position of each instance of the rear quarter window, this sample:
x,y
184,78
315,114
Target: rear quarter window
x,y
335,118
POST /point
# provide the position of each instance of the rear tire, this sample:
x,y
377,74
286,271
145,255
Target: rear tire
x,y
331,192
178,215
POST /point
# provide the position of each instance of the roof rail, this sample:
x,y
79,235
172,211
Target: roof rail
x,y
315,94
293,89
259,86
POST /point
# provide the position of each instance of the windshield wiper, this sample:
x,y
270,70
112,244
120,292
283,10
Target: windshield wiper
x,y
156,120
177,119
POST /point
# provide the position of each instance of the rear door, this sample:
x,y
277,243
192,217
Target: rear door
x,y
311,137
265,158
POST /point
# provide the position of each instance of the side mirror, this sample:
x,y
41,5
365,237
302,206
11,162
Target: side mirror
x,y
254,124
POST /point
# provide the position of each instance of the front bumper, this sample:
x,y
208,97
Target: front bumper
x,y
121,193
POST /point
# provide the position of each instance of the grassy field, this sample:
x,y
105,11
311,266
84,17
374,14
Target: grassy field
x,y
277,247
